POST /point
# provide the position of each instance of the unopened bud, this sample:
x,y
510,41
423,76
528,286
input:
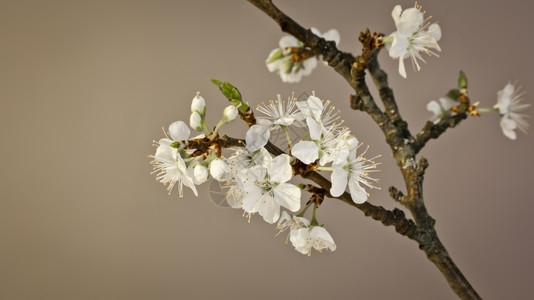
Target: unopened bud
x,y
229,113
198,104
219,170
200,173
195,121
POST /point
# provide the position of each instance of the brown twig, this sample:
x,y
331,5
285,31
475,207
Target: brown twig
x,y
403,145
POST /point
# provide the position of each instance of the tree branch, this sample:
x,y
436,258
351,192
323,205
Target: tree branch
x,y
403,145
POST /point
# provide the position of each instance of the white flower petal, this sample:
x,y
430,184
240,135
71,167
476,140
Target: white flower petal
x,y
339,181
179,131
435,31
410,21
315,106
288,41
332,35
357,193
280,170
306,151
257,136
402,70
316,130
288,196
396,13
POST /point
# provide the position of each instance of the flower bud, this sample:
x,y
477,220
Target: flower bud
x,y
229,113
198,104
200,173
195,121
219,170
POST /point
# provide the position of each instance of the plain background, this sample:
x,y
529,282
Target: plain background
x,y
85,87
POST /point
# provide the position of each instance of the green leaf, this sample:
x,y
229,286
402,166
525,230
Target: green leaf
x,y
453,94
175,145
231,93
462,81
228,90
242,106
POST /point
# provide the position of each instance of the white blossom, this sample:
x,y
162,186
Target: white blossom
x,y
280,113
292,60
510,105
168,163
354,170
440,109
266,189
317,114
414,34
316,237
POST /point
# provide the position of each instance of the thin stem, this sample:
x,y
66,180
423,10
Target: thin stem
x,y
221,122
325,168
205,128
488,110
301,214
313,221
284,128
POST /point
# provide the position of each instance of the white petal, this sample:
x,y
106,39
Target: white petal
x,y
332,35
315,128
339,181
410,21
402,70
284,217
434,107
306,151
399,45
435,31
270,211
257,137
447,103
316,107
299,238
396,14
303,107
508,126
322,239
179,131
357,193
288,41
288,196
308,66
280,170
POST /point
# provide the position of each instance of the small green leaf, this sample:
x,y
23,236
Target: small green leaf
x,y
453,94
242,106
175,145
232,94
462,81
228,90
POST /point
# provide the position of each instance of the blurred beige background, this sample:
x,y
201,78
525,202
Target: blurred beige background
x,y
85,87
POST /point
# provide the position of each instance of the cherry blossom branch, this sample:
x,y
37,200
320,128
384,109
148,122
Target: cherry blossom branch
x,y
380,79
403,145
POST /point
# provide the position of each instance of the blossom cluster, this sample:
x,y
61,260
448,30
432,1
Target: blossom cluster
x,y
292,59
258,181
